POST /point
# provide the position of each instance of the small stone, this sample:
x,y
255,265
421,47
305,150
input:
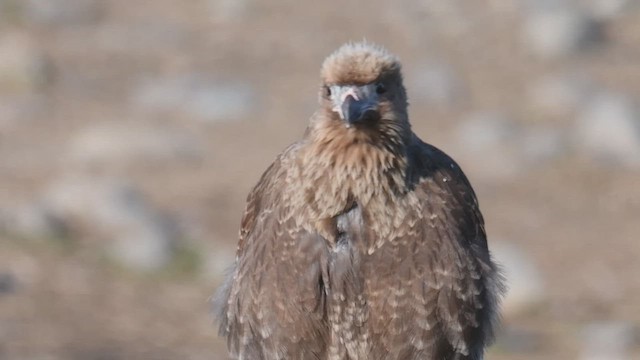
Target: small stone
x,y
608,341
438,85
561,95
32,221
609,130
542,144
135,234
122,143
227,10
63,12
524,281
23,68
196,97
609,9
218,262
519,340
558,31
19,109
487,143
7,283
486,130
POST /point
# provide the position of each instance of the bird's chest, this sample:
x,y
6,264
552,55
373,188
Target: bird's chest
x,y
362,259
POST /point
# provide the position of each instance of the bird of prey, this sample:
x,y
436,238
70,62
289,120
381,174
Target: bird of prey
x,y
361,241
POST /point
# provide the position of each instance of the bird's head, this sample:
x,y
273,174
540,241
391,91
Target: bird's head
x,y
362,88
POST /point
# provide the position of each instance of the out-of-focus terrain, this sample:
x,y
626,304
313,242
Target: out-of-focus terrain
x,y
131,132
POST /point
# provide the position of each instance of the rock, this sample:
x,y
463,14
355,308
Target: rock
x,y
609,9
609,130
10,10
524,281
449,17
142,245
135,234
486,130
494,147
488,145
63,12
438,85
539,145
31,221
608,341
556,31
196,97
218,262
227,10
7,283
21,109
520,340
123,143
23,67
142,39
561,95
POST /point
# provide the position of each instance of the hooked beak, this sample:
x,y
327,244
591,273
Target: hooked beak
x,y
356,107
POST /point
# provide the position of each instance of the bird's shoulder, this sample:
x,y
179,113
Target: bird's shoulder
x,y
438,179
427,162
265,195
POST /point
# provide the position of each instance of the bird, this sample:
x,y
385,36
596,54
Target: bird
x,y
361,241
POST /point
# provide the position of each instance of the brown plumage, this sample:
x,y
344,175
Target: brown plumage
x,y
361,241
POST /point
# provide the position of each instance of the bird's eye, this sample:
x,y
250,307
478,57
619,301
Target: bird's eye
x,y
380,89
326,91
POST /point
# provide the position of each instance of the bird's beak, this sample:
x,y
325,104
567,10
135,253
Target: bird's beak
x,y
356,107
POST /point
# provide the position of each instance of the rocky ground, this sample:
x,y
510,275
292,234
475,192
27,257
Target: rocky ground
x,y
130,133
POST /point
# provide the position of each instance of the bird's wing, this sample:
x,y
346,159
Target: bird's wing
x,y
444,288
272,305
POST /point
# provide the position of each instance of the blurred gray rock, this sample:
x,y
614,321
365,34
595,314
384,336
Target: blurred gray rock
x,y
561,95
227,10
486,130
63,12
19,109
218,262
609,130
23,67
143,38
448,16
542,144
8,283
437,85
488,143
555,31
494,147
609,9
31,221
135,234
196,97
123,143
524,281
608,341
520,340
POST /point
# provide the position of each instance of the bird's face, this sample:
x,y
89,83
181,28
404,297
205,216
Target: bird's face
x,y
355,104
361,105
362,99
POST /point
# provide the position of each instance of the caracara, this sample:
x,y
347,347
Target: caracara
x,y
361,241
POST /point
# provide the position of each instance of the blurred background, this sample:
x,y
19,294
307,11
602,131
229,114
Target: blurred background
x,y
131,132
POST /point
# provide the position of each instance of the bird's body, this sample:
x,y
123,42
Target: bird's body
x,y
361,241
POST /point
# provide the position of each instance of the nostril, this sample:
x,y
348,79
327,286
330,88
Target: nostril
x,y
370,115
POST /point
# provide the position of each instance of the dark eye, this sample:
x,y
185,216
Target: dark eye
x,y
326,91
380,89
